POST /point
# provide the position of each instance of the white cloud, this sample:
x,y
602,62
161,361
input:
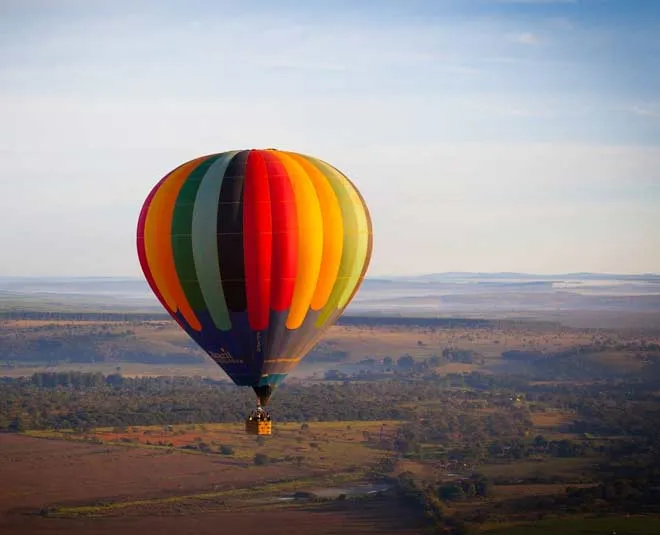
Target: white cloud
x,y
95,161
525,38
650,111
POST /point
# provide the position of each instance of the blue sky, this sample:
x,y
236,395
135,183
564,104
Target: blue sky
x,y
485,135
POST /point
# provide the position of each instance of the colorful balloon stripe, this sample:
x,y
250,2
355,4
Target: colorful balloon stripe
x,y
255,253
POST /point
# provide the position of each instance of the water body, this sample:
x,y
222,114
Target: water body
x,y
332,493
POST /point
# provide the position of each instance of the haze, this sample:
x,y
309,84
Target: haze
x,y
485,135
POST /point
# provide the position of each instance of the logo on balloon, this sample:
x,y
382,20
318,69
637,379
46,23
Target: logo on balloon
x,y
223,356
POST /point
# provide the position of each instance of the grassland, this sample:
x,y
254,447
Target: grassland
x,y
619,525
545,468
332,446
75,478
159,347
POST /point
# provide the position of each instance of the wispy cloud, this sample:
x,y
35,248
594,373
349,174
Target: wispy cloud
x,y
651,111
525,38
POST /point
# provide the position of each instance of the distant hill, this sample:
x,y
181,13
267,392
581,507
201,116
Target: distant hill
x,y
513,276
452,294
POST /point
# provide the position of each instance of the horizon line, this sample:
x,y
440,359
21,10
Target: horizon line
x,y
380,277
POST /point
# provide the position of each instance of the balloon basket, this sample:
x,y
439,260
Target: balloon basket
x,y
259,423
254,427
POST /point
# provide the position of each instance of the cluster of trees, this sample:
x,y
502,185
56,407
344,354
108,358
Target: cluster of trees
x,y
582,361
465,356
347,319
476,486
449,354
629,413
539,446
54,344
579,363
620,485
634,496
431,500
73,399
62,316
371,369
78,400
610,494
74,379
463,438
613,494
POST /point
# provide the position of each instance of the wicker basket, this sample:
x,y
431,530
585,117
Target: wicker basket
x,y
254,426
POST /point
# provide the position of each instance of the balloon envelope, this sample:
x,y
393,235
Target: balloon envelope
x,y
255,253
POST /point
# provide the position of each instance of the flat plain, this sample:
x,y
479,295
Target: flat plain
x,y
209,477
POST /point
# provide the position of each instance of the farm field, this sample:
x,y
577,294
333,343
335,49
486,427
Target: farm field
x,y
135,486
145,478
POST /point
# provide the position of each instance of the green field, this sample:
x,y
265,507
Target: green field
x,y
539,468
619,525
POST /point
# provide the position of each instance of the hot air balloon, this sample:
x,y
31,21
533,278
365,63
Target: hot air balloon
x,y
255,254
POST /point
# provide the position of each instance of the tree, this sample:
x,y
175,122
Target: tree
x,y
540,441
461,528
261,459
451,491
226,450
483,485
17,425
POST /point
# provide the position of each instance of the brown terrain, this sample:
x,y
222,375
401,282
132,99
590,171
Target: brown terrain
x,y
357,342
145,479
155,491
